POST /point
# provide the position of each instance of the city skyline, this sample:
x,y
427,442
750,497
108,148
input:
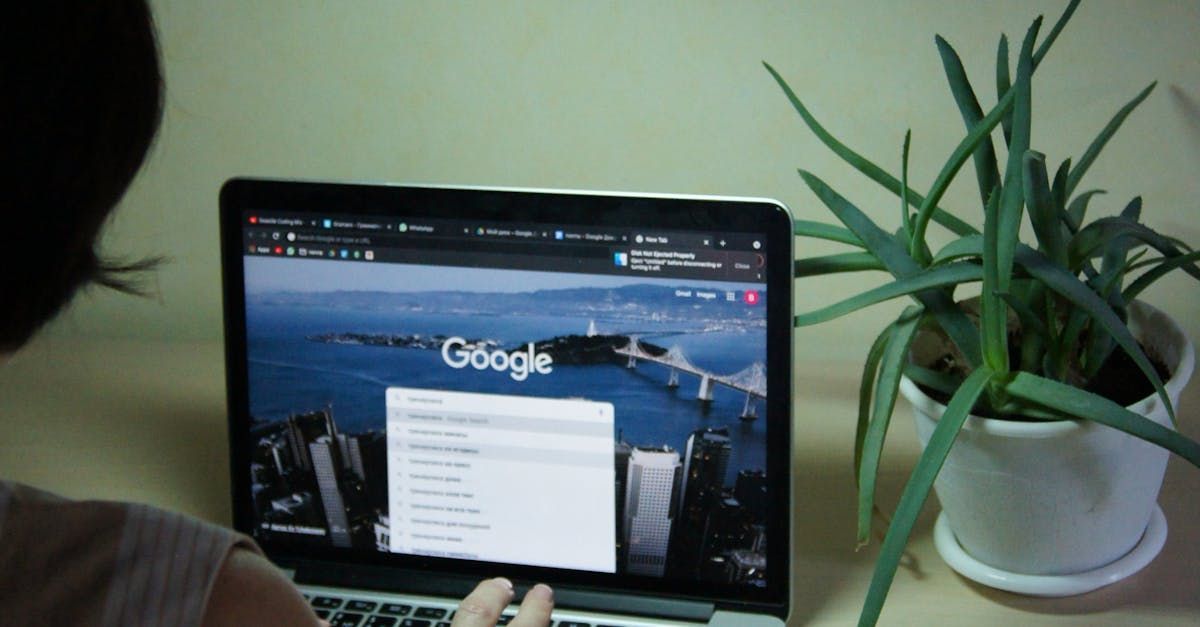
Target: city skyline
x,y
678,516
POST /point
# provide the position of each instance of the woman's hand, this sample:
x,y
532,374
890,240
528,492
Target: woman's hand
x,y
482,608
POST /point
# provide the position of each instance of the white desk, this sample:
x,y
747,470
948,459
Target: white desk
x,y
146,421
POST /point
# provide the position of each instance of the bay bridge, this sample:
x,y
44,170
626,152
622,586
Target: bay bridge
x,y
751,381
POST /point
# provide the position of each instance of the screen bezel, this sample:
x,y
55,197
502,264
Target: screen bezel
x,y
766,217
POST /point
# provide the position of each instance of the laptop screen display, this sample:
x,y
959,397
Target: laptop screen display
x,y
509,390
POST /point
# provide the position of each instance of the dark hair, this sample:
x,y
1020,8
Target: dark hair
x,y
80,101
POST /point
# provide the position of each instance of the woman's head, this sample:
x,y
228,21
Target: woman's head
x,y
82,99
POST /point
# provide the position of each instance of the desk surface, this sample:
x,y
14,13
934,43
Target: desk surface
x,y
146,421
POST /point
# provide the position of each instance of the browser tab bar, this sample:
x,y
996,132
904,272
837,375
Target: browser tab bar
x,y
532,245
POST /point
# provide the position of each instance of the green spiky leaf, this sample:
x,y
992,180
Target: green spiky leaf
x,y
891,367
1157,272
1067,286
1094,239
993,313
932,379
895,258
862,164
1012,197
1043,211
916,491
970,246
987,172
820,230
933,278
1054,32
1077,210
1003,85
1084,405
866,388
1093,150
832,264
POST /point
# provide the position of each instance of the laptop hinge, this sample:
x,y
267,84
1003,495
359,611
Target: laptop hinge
x,y
380,578
616,603
439,584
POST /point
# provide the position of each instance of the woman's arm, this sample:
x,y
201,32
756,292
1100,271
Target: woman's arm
x,y
249,590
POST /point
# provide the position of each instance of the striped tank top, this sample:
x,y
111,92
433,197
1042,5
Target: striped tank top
x,y
104,563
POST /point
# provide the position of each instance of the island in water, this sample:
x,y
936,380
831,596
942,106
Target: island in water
x,y
577,350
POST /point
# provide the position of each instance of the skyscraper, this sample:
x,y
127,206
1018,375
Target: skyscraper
x,y
324,455
354,457
343,444
705,462
751,491
650,503
621,451
368,460
304,429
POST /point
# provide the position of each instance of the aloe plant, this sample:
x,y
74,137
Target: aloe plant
x,y
1069,290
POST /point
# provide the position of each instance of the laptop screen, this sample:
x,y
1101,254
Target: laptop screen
x,y
463,379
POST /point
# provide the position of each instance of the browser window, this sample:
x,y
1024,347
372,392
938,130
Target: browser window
x,y
457,389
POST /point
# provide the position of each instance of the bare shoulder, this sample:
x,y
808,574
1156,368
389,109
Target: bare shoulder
x,y
250,590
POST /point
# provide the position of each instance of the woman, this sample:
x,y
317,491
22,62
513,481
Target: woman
x,y
81,102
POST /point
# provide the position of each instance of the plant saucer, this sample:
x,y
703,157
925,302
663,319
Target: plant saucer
x,y
1051,585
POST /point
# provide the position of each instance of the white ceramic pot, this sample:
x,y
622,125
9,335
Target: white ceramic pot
x,y
1056,498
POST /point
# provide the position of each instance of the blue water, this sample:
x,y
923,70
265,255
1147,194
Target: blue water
x,y
290,374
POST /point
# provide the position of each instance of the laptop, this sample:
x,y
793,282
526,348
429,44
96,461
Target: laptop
x,y
428,386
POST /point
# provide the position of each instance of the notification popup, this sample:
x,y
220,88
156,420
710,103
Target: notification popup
x,y
501,478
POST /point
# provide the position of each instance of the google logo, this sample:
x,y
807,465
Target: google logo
x,y
519,363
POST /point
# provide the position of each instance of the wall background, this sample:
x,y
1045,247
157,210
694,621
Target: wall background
x,y
645,96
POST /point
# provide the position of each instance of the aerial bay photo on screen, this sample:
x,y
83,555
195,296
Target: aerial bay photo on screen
x,y
681,361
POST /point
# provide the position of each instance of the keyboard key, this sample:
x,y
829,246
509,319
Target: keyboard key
x,y
322,614
415,622
572,623
380,621
442,623
395,609
504,619
346,619
329,603
361,606
430,612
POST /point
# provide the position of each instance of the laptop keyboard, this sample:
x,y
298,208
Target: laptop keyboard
x,y
346,611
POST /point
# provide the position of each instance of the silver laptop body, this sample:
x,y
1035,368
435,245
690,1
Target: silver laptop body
x,y
431,385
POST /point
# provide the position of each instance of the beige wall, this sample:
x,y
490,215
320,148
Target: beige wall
x,y
647,96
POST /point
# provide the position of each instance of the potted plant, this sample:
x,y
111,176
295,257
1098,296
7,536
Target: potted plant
x,y
1022,376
